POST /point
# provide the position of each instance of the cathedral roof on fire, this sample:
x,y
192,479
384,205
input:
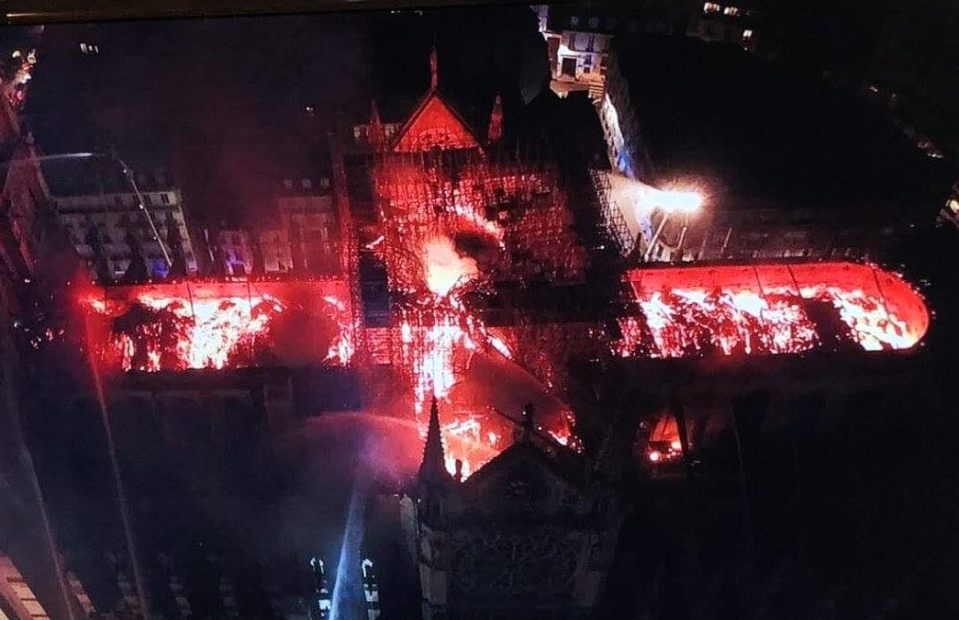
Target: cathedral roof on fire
x,y
532,451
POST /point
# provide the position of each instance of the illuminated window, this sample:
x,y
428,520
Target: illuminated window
x,y
83,48
747,34
731,10
573,21
711,7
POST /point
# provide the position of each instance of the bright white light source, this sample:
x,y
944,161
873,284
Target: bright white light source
x,y
678,201
654,456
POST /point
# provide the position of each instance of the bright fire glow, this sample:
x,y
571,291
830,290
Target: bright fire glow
x,y
342,349
501,212
204,334
158,329
692,311
444,267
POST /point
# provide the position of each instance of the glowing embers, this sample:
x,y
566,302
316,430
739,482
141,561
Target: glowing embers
x,y
219,325
684,322
770,309
437,345
451,223
171,333
443,266
446,350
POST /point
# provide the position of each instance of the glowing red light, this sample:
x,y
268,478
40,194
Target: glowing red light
x,y
214,325
769,309
432,215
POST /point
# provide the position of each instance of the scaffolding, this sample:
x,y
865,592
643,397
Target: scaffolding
x,y
514,206
612,219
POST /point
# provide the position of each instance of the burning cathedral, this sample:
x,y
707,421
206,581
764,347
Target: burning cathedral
x,y
474,270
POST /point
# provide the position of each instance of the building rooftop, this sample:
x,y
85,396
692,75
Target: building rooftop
x,y
617,16
88,175
755,135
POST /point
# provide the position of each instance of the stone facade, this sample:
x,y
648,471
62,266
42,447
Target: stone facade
x,y
531,534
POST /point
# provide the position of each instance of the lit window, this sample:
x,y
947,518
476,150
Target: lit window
x,y
711,7
747,34
573,21
83,48
731,10
307,184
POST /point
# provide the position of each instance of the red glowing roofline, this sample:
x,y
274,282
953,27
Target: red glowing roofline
x,y
895,295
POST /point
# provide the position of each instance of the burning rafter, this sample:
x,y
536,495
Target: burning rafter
x,y
770,309
456,222
220,325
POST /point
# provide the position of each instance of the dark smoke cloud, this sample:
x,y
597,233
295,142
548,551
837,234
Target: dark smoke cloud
x,y
225,101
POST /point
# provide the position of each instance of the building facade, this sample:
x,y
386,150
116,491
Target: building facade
x,y
848,197
300,237
308,219
738,23
579,37
120,238
531,534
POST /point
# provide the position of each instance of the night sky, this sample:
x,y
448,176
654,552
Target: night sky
x,y
224,102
